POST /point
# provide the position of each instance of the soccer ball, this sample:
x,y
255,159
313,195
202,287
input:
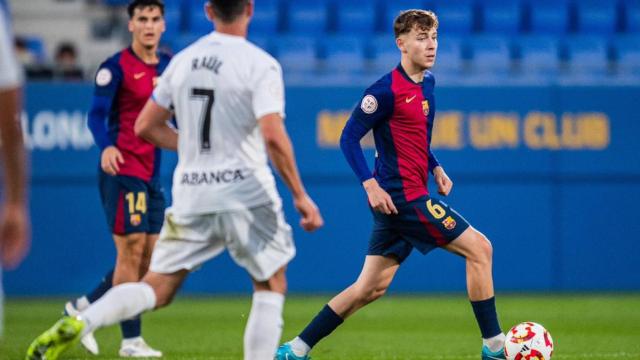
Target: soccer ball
x,y
528,341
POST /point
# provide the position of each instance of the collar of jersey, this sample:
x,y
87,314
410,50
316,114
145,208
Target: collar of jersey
x,y
215,34
406,76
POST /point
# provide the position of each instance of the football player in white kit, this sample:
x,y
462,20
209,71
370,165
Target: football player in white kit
x,y
228,97
14,223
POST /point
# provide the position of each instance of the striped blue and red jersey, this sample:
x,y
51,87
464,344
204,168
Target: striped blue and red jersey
x,y
123,85
401,113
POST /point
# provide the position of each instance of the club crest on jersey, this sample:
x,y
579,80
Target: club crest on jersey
x,y
425,107
135,219
369,104
449,223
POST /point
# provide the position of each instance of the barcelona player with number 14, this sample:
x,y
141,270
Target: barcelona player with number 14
x,y
400,109
130,189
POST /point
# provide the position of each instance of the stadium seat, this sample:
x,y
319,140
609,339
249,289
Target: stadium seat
x,y
549,16
307,17
627,50
343,54
597,16
449,57
455,16
354,16
392,9
265,19
35,45
116,2
386,55
296,53
538,55
502,16
632,16
490,54
587,54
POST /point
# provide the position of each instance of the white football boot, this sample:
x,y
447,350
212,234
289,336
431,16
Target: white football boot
x,y
138,348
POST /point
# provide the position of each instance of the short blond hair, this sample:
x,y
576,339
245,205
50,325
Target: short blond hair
x,y
408,19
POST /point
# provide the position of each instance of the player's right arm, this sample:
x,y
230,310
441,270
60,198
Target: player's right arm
x,y
107,82
375,107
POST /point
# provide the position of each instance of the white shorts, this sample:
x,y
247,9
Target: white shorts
x,y
258,239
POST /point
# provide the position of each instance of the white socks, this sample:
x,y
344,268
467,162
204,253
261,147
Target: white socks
x,y
82,303
299,347
120,303
264,327
495,343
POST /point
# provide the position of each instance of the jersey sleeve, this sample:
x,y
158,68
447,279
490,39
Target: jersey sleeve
x,y
268,94
375,108
107,82
433,161
108,79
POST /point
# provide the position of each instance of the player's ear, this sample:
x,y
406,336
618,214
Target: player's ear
x,y
400,44
130,25
249,9
208,10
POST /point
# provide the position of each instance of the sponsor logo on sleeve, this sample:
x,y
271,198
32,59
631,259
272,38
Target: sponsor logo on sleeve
x,y
369,104
103,77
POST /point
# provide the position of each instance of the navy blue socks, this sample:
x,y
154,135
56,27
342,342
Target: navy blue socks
x,y
485,312
322,325
103,287
130,328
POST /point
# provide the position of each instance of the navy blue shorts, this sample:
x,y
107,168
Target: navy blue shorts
x,y
425,223
132,205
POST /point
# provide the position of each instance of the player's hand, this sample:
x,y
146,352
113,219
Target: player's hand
x,y
15,234
310,214
442,180
110,159
379,199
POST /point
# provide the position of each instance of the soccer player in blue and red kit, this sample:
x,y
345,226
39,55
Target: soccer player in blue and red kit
x,y
129,183
400,109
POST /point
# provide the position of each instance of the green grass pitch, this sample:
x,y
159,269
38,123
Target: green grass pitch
x,y
584,326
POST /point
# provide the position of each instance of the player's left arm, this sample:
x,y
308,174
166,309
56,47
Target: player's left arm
x,y
151,125
441,178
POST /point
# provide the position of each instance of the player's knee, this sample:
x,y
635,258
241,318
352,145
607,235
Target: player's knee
x,y
131,247
484,249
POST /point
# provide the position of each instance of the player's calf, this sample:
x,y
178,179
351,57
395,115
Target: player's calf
x,y
130,250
